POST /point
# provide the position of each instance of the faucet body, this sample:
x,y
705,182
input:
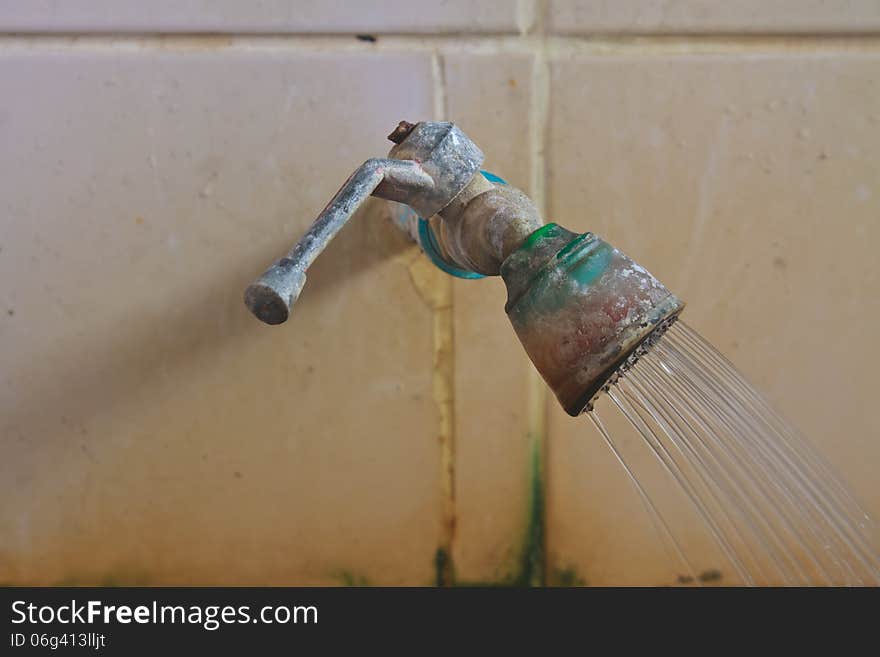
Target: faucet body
x,y
434,171
582,309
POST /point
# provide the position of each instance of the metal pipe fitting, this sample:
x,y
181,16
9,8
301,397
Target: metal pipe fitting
x,y
485,224
432,168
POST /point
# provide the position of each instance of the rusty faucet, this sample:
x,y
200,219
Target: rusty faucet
x,y
582,309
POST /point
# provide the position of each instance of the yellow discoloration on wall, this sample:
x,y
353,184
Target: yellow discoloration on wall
x,y
435,289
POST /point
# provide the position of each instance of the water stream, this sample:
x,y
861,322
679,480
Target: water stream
x,y
770,503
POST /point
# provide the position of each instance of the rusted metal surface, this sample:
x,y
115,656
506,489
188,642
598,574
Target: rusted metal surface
x,y
271,296
581,309
479,232
401,132
431,165
447,155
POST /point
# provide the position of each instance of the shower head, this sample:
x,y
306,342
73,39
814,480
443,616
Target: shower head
x,y
582,309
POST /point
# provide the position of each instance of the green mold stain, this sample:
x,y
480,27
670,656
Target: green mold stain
x,y
712,575
348,578
531,571
444,573
566,577
527,568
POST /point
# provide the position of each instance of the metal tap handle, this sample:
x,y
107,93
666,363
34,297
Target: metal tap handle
x,y
271,296
430,164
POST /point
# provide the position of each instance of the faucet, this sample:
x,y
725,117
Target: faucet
x,y
583,310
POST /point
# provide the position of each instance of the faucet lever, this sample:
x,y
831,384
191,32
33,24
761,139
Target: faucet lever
x,y
271,296
430,164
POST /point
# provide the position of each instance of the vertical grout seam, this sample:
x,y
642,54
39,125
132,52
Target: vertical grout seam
x,y
444,374
526,16
536,389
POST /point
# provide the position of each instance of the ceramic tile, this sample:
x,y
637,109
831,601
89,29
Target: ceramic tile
x,y
141,402
749,186
268,16
488,96
693,16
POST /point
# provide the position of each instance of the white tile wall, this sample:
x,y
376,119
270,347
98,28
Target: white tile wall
x,y
262,16
716,16
145,181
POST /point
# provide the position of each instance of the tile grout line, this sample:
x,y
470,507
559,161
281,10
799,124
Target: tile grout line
x,y
443,374
530,40
438,79
526,16
536,389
